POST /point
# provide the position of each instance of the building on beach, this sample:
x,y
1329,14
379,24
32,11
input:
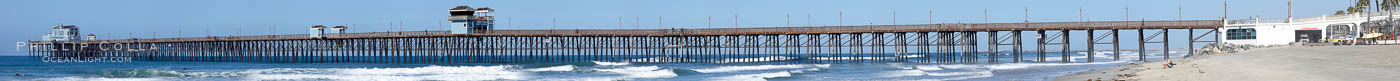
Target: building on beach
x,y
1345,29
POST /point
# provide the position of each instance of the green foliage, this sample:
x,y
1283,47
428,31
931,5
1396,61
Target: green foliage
x,y
1366,5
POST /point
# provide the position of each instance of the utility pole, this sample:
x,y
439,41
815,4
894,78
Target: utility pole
x,y
637,23
272,30
400,26
553,23
390,27
1390,16
239,30
658,23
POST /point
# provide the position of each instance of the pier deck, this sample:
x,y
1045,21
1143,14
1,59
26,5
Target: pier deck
x,y
949,43
1096,25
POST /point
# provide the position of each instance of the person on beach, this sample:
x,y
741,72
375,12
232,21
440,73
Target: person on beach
x,y
1169,64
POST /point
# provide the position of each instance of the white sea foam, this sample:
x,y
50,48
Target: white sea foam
x,y
610,63
642,72
823,58
1103,54
854,58
391,74
1019,66
926,68
555,68
971,70
764,76
168,73
661,59
99,79
1027,65
902,73
628,73
758,67
959,66
911,56
145,75
760,59
980,74
761,76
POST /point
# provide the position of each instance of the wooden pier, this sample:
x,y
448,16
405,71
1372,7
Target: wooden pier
x,y
921,43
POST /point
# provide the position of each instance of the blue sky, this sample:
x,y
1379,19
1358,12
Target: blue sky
x,y
28,19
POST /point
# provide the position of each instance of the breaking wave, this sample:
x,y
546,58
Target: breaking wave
x,y
759,59
155,73
396,74
642,72
758,67
610,63
99,79
765,76
555,68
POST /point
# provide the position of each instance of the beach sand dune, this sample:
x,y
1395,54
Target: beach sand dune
x,y
1288,63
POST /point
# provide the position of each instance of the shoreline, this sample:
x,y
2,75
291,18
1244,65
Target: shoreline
x,y
1283,63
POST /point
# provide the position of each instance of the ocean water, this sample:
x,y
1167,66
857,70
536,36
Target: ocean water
x,y
25,68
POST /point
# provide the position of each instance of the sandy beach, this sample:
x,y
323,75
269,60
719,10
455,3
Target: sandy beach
x,y
1286,63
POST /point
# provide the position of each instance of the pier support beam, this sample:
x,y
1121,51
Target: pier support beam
x,y
1064,46
1142,45
1040,46
1116,50
1089,51
992,45
1016,46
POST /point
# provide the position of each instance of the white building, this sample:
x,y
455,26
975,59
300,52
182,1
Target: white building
x,y
317,31
62,33
339,30
466,19
1322,29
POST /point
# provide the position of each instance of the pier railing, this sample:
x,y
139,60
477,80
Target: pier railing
x,y
923,43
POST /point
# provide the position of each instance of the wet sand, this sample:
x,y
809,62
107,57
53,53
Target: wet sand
x,y
1287,63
